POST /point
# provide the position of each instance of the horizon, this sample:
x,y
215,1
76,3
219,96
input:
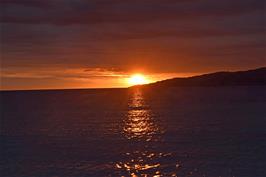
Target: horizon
x,y
154,82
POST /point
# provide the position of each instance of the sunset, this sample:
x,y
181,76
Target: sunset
x,y
138,79
128,88
56,44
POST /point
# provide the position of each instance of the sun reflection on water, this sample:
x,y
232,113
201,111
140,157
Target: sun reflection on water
x,y
146,163
141,130
139,123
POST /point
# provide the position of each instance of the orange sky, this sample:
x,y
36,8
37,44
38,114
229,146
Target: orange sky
x,y
58,78
95,44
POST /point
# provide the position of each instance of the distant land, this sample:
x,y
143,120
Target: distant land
x,y
238,78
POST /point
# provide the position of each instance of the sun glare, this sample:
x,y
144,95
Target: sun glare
x,y
137,79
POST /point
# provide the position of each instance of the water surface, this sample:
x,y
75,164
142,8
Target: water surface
x,y
193,131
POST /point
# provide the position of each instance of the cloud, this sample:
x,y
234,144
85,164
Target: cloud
x,y
61,73
30,3
60,12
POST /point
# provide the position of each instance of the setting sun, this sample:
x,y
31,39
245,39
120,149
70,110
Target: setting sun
x,y
137,79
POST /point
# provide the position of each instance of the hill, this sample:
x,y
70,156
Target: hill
x,y
239,78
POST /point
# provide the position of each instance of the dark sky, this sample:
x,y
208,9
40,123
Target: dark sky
x,y
96,43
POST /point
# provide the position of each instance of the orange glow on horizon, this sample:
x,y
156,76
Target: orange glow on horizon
x,y
29,78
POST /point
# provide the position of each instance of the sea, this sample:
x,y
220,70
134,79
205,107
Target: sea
x,y
138,132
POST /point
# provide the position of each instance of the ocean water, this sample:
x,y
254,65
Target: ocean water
x,y
193,131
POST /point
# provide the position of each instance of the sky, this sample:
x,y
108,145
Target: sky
x,y
51,44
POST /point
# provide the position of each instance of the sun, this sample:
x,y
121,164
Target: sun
x,y
137,79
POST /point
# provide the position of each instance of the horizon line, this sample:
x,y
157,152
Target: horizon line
x,y
99,88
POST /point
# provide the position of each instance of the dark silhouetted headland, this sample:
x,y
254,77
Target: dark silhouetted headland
x,y
239,78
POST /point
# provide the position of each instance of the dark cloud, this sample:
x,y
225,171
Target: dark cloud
x,y
90,12
25,3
